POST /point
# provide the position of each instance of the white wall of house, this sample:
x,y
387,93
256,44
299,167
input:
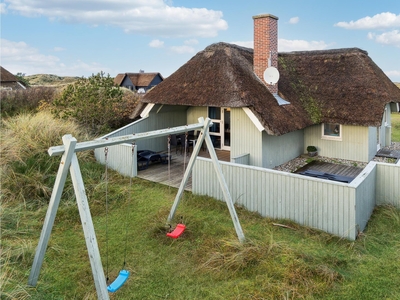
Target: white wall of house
x,y
354,144
194,113
385,129
160,117
280,149
372,142
245,137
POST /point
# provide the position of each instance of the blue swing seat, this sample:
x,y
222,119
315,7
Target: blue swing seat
x,y
119,281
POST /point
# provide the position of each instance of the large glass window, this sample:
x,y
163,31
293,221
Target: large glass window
x,y
331,131
214,113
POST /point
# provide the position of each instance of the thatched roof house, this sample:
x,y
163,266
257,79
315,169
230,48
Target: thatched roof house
x,y
336,86
9,81
138,81
337,100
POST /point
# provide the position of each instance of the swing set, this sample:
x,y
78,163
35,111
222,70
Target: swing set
x,y
69,162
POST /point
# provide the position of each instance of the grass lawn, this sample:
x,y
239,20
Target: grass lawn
x,y
395,118
207,262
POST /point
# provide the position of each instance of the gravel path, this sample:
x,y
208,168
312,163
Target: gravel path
x,y
301,161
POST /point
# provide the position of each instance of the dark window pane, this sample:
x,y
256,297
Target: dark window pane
x,y
332,129
214,113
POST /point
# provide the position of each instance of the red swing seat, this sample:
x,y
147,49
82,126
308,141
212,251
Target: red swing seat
x,y
180,228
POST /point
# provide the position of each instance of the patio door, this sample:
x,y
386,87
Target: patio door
x,y
220,131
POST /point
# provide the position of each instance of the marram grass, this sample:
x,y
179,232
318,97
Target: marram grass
x,y
27,171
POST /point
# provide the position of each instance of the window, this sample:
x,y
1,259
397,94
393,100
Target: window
x,y
332,131
214,113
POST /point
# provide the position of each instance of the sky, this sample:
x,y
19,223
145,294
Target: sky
x,y
85,37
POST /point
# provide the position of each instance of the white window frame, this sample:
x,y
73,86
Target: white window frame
x,y
331,137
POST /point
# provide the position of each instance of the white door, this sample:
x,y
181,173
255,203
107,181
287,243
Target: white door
x,y
220,131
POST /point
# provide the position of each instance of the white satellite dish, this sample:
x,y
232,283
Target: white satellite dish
x,y
271,75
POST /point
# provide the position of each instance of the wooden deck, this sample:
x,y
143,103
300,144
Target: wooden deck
x,y
172,175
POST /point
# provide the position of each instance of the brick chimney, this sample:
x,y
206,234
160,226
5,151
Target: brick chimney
x,y
265,46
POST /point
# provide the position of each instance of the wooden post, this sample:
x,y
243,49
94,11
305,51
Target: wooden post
x,y
88,230
225,189
189,168
204,135
69,144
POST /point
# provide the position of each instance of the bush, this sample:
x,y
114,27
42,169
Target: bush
x,y
23,101
94,102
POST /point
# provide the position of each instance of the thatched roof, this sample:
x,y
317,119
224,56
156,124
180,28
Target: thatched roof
x,y
118,79
9,81
6,76
340,86
138,79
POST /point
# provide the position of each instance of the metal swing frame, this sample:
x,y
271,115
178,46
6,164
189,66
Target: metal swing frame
x,y
69,162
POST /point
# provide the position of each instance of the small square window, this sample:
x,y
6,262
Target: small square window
x,y
332,131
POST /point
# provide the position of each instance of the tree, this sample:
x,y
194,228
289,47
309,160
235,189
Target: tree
x,y
94,102
21,78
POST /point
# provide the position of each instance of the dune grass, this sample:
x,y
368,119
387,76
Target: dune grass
x,y
207,262
395,118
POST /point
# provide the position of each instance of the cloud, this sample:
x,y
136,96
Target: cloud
x,y
386,38
156,44
58,49
247,44
294,20
290,45
22,52
182,49
149,17
379,21
20,57
300,45
191,42
3,8
394,73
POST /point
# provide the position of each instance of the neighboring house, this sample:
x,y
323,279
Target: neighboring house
x,y
337,100
9,81
140,82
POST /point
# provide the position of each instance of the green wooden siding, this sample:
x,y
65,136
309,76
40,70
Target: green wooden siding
x,y
194,113
353,146
280,149
245,137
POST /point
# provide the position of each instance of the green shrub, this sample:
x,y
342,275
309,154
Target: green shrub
x,y
311,148
95,103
